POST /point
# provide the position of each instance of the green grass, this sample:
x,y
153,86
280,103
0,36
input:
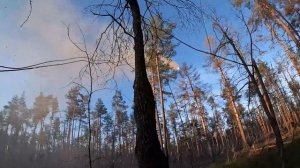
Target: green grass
x,y
268,159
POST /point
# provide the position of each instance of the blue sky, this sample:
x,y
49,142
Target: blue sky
x,y
44,37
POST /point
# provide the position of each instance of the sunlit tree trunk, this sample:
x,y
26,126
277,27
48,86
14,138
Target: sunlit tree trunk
x,y
261,123
267,105
69,131
156,112
79,128
262,94
235,111
280,20
200,110
161,97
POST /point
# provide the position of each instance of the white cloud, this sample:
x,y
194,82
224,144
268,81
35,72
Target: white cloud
x,y
43,37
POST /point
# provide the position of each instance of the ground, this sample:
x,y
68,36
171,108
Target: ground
x,y
267,159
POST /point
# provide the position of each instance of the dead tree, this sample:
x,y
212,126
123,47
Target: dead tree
x,y
257,81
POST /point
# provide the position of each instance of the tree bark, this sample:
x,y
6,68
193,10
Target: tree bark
x,y
267,105
156,113
147,150
281,21
161,97
231,100
262,94
287,49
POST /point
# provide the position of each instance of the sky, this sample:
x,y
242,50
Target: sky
x,y
44,37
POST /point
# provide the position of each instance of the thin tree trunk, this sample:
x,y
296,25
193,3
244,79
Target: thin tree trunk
x,y
79,127
263,97
69,133
100,136
156,113
161,97
281,21
267,105
231,100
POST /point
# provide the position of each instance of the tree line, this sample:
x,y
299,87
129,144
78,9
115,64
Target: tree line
x,y
178,119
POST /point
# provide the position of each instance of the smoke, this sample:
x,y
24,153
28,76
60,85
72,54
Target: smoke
x,y
43,37
171,63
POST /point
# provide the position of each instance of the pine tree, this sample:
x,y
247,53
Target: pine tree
x,y
98,115
121,118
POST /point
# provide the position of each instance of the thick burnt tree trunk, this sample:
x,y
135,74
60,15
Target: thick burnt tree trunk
x,y
148,151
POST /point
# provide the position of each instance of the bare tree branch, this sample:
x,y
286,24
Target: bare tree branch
x,y
28,16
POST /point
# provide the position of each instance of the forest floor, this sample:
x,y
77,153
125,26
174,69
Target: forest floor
x,y
267,158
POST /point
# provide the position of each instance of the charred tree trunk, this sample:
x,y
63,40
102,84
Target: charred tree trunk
x,y
148,152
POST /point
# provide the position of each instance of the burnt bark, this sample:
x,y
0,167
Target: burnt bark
x,y
147,150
